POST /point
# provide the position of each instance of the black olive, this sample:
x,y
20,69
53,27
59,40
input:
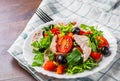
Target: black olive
x,y
105,51
61,59
76,30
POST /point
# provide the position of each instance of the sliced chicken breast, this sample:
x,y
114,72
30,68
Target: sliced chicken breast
x,y
83,42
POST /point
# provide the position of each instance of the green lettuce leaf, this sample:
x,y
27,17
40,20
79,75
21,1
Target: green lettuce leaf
x,y
87,65
38,59
74,57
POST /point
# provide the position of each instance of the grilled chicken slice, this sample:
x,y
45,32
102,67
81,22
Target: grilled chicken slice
x,y
83,42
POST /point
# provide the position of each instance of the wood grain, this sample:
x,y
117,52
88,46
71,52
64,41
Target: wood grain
x,y
14,15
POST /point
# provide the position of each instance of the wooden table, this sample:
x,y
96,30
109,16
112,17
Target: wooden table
x,y
14,15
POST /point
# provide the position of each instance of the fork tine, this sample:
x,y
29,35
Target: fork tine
x,y
43,15
40,17
48,17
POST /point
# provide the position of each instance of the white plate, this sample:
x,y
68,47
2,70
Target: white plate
x,y
28,55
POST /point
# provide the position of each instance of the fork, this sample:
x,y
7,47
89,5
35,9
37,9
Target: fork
x,y
117,4
43,16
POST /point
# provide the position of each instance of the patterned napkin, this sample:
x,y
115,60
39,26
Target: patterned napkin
x,y
93,10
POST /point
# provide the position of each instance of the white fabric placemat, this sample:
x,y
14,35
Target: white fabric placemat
x,y
93,10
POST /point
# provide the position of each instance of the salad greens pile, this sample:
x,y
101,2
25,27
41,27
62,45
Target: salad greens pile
x,y
74,58
39,47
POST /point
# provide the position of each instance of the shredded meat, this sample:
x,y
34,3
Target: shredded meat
x,y
83,42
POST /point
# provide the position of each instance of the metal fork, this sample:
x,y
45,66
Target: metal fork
x,y
117,4
43,16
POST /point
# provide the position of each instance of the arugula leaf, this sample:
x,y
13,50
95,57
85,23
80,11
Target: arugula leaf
x,y
65,29
95,33
45,42
74,57
35,44
48,28
74,69
38,59
94,47
45,28
84,26
87,65
35,50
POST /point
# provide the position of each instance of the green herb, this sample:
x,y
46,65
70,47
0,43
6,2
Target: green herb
x,y
46,29
74,57
45,42
35,50
65,29
94,47
35,44
49,33
95,33
38,59
87,65
85,27
51,56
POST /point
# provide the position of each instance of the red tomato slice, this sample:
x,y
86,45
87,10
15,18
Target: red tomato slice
x,y
102,41
55,31
64,44
96,56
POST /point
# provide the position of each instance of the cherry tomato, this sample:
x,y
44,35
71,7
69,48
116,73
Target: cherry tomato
x,y
81,32
74,23
102,41
50,66
87,32
96,56
55,31
60,69
64,44
84,32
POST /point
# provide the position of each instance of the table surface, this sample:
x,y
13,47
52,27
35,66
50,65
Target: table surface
x,y
14,15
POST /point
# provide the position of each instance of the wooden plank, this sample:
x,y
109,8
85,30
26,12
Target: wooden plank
x,y
14,15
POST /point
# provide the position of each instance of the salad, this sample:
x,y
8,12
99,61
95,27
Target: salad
x,y
69,48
